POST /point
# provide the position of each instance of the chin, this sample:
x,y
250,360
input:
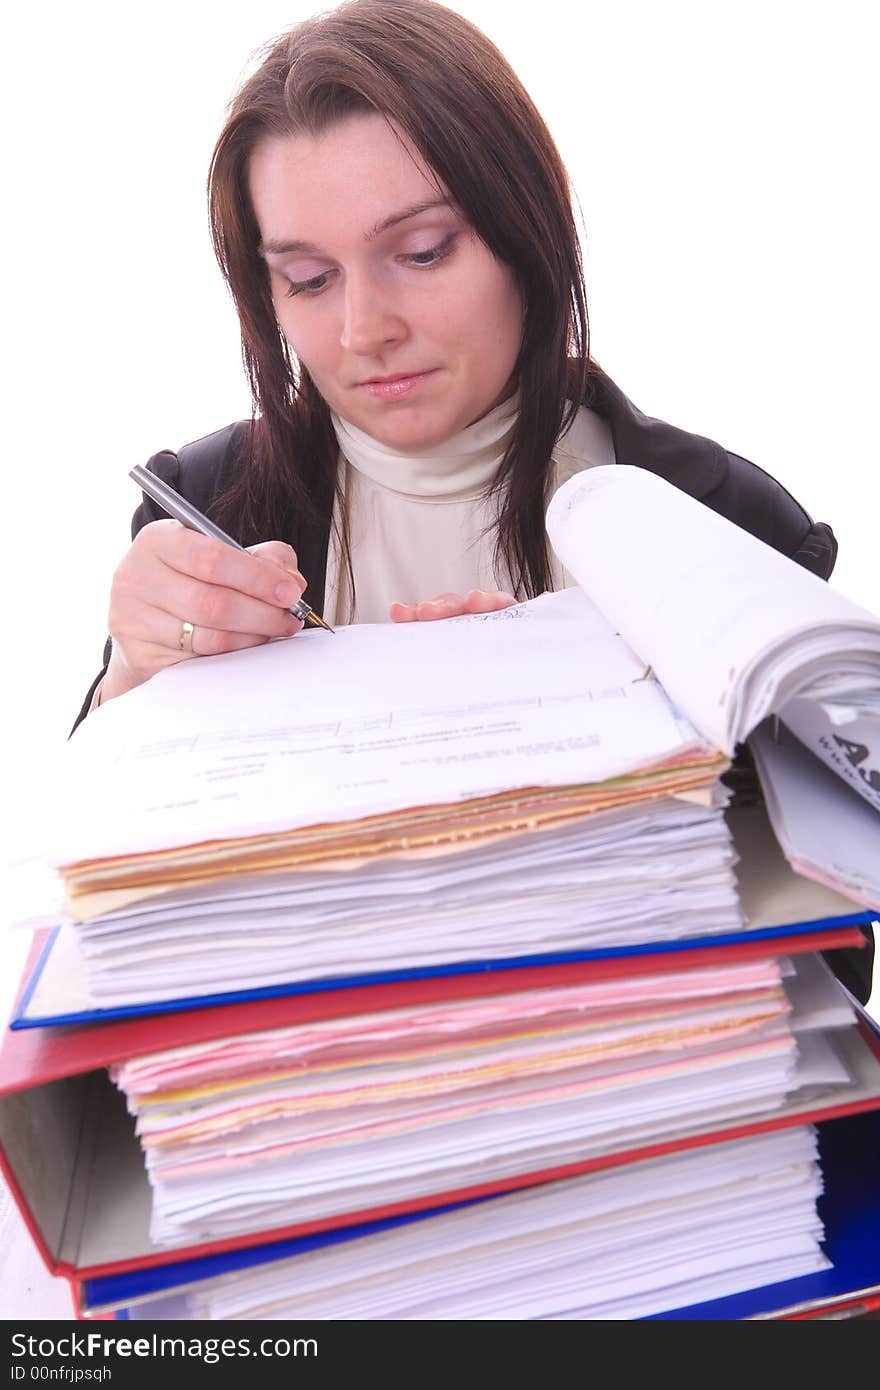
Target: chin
x,y
406,430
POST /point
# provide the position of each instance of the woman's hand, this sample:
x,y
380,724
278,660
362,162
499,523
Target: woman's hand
x,y
451,606
172,577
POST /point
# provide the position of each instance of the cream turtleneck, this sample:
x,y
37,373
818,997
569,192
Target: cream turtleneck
x,y
421,523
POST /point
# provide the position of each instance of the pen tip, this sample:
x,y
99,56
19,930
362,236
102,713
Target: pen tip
x,y
319,622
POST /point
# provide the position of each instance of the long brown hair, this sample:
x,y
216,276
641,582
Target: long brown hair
x,y
447,87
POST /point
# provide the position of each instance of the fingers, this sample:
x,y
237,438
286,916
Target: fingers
x,y
443,606
166,630
488,601
281,554
268,573
451,606
234,599
225,610
402,612
189,576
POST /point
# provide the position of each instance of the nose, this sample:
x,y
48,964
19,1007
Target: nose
x,y
370,319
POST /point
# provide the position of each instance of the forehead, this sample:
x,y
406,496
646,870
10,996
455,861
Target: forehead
x,y
343,180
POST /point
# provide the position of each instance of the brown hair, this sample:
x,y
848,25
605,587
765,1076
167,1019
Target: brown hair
x,y
455,97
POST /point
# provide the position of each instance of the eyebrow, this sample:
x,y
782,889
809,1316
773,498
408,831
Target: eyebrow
x,y
284,248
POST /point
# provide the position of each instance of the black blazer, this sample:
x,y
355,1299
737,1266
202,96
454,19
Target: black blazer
x,y
727,483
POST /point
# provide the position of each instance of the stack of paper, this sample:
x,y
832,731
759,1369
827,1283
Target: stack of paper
x,y
263,1130
656,873
638,1240
562,806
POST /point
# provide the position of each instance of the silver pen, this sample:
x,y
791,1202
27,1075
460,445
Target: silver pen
x,y
178,507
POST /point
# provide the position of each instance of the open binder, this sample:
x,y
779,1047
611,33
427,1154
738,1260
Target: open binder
x,y
775,901
849,1208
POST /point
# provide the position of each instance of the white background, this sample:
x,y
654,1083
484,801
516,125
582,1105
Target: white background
x,y
725,162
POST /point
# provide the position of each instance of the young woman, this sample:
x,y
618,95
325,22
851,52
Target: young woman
x,y
395,226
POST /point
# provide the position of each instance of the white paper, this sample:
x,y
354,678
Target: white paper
x,y
733,628
376,717
648,1237
825,830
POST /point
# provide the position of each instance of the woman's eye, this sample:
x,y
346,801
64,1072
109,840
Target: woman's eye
x,y
433,254
317,282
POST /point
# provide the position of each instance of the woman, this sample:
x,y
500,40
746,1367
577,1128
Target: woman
x,y
395,226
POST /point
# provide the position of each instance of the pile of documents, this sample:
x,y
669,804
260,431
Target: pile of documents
x,y
423,822
657,873
262,1130
639,1240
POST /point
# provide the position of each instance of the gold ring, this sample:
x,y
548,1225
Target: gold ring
x,y
185,642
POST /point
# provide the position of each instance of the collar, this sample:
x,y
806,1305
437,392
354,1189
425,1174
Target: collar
x,y
696,465
460,467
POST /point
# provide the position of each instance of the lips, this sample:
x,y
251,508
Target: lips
x,y
387,380
393,388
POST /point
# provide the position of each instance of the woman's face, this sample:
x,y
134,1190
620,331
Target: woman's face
x,y
406,322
